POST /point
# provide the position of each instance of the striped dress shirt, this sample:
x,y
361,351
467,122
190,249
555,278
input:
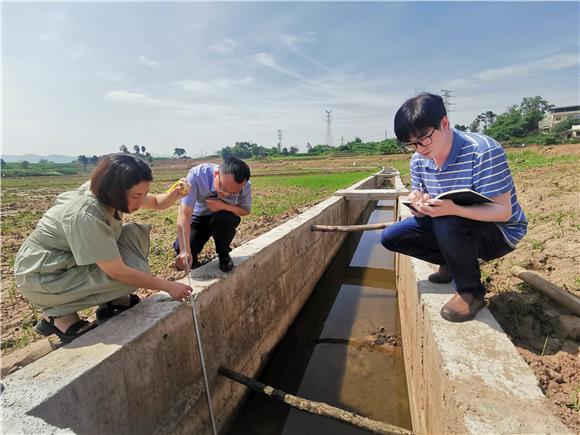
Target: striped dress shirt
x,y
475,162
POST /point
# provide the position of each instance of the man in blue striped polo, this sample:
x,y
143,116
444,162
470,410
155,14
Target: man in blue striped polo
x,y
219,197
441,232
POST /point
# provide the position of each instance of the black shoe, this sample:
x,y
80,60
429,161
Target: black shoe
x,y
110,309
226,264
77,329
442,276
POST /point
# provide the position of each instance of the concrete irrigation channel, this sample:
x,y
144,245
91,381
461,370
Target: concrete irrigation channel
x,y
140,372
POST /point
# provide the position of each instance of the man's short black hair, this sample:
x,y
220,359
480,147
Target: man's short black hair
x,y
114,175
237,167
418,115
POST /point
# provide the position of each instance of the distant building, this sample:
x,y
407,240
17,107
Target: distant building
x,y
573,132
556,115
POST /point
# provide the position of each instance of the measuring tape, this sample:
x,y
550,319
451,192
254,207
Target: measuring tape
x,y
192,300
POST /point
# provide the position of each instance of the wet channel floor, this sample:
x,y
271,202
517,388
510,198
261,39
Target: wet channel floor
x,y
344,348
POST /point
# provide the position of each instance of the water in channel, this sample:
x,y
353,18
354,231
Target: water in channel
x,y
344,348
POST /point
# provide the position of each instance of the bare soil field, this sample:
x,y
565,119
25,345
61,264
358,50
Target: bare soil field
x,y
545,334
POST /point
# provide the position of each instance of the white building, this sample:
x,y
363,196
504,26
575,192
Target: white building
x,y
556,115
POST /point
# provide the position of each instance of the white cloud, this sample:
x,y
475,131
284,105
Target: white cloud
x,y
149,62
556,62
227,83
193,85
126,96
291,40
267,59
560,61
520,70
226,46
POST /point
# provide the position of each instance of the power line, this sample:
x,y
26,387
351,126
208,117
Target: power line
x,y
447,99
328,127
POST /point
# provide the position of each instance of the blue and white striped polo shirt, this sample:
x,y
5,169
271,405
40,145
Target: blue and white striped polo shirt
x,y
475,162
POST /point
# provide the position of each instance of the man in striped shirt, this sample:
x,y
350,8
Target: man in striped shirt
x,y
441,232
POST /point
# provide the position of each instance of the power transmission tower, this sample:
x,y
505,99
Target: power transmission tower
x,y
279,140
447,99
328,127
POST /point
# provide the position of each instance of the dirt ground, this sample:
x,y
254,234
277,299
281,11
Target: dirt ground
x,y
545,334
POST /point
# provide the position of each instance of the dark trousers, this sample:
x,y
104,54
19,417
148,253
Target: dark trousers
x,y
221,226
452,241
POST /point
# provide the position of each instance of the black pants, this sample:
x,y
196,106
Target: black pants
x,y
450,240
221,226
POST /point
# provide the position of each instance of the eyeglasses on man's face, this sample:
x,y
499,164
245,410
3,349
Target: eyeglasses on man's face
x,y
225,192
424,141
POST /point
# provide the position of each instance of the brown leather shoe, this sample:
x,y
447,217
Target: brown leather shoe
x,y
462,307
442,276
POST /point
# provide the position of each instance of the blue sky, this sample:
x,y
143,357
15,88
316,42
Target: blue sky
x,y
84,78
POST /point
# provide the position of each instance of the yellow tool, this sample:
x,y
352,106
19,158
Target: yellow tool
x,y
185,187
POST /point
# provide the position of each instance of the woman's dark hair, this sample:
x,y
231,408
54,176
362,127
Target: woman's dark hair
x,y
237,167
418,115
116,174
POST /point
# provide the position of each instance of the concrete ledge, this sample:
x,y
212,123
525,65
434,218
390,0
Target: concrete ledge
x,y
140,371
463,377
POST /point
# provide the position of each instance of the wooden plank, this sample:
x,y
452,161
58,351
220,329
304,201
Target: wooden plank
x,y
320,408
551,290
350,228
370,194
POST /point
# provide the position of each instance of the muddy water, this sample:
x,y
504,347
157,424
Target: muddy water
x,y
344,348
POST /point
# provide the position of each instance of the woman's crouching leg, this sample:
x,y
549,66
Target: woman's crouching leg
x,y
134,246
76,289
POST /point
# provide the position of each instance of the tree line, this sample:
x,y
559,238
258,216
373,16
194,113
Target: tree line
x,y
519,123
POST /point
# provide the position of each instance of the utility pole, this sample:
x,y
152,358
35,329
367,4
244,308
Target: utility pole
x,y
342,140
328,127
279,140
447,99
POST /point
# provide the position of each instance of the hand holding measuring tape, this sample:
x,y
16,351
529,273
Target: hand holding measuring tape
x,y
180,188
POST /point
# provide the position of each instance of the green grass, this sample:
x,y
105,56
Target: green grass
x,y
537,245
273,195
314,182
574,400
530,159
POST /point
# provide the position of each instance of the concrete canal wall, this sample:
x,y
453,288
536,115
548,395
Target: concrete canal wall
x,y
140,372
465,378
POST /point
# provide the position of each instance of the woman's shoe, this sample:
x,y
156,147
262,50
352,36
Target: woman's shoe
x,y
110,309
75,330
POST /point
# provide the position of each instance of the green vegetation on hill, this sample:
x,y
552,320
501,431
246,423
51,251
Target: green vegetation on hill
x,y
42,168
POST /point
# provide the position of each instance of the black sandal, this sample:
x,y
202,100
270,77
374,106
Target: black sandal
x,y
75,330
111,309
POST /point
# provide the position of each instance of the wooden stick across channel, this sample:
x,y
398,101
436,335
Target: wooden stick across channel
x,y
350,228
313,407
549,289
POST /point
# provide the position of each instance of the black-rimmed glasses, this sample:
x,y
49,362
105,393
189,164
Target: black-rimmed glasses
x,y
424,141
